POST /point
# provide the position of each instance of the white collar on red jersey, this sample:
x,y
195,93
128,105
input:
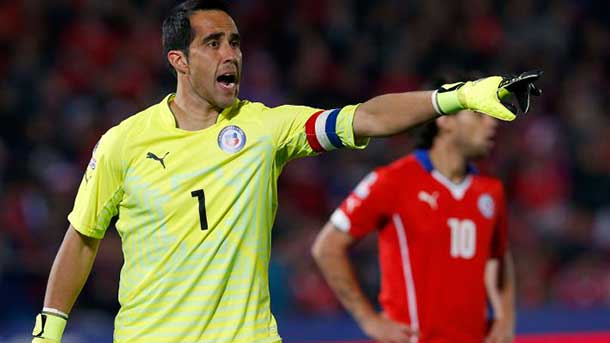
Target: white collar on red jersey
x,y
457,190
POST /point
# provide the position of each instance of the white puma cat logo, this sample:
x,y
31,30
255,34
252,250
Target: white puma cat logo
x,y
428,198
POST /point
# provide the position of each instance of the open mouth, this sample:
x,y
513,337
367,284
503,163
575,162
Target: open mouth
x,y
228,80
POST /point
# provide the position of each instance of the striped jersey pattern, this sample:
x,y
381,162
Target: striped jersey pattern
x,y
195,211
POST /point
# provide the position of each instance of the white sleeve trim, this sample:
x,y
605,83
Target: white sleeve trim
x,y
340,220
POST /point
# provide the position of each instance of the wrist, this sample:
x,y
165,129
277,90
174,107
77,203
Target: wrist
x,y
364,317
50,325
446,102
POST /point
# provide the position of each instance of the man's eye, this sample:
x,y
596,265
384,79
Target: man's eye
x,y
213,44
235,43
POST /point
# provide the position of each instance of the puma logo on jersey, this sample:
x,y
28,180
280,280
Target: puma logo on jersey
x,y
156,158
428,198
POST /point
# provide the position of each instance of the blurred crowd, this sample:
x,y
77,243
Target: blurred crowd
x,y
71,69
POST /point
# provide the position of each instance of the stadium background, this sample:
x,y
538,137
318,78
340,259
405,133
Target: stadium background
x,y
70,69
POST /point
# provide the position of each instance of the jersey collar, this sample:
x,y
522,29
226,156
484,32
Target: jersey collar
x,y
168,119
423,157
457,190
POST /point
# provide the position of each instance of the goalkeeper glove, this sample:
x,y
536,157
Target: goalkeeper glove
x,y
49,327
488,95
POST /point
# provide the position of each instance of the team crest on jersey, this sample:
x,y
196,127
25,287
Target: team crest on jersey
x,y
231,139
93,161
486,205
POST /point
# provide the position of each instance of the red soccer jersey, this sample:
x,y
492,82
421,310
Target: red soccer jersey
x,y
435,238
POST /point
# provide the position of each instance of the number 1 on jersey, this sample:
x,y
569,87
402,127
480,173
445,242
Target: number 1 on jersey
x,y
203,218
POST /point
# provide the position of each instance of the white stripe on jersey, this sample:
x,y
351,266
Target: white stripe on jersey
x,y
408,273
340,220
321,131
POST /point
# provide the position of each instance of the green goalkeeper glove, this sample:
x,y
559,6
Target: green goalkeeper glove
x,y
488,95
49,327
42,340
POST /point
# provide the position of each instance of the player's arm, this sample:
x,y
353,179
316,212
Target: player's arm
x,y
69,272
389,114
393,113
330,252
95,205
500,285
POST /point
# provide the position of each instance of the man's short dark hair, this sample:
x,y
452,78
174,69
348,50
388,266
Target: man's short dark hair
x,y
177,33
424,134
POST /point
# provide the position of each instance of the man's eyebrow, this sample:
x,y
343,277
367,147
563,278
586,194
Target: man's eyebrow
x,y
213,36
235,36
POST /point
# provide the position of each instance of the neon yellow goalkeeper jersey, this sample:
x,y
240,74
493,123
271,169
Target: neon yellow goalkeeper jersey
x,y
195,211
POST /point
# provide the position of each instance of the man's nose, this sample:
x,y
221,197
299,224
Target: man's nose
x,y
229,53
491,121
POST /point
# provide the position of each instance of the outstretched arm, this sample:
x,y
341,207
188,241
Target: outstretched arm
x,y
393,113
330,251
389,114
70,270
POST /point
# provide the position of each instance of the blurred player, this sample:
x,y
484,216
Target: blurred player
x,y
439,224
193,182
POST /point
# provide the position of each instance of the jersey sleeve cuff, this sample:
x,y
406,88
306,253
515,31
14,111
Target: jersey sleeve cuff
x,y
340,220
84,229
346,129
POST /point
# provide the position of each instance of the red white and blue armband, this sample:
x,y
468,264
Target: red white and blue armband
x,y
321,130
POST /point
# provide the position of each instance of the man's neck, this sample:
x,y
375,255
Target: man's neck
x,y
192,113
449,161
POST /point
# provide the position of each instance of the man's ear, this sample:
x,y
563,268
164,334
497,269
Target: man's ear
x,y
179,61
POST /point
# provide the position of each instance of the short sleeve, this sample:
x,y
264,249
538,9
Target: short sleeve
x,y
500,238
366,208
101,190
305,131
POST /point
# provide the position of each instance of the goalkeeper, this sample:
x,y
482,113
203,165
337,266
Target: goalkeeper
x,y
193,181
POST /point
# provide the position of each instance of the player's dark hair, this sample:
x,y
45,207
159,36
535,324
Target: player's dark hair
x,y
177,33
424,134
